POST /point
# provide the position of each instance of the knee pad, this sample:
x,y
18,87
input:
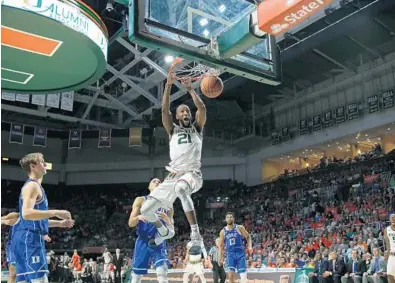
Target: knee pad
x,y
148,209
182,190
136,278
161,273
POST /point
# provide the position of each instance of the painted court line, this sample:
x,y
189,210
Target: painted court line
x,y
29,42
30,76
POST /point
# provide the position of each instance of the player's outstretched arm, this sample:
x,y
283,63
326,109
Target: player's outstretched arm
x,y
134,215
10,219
221,247
247,236
167,118
201,115
30,194
67,223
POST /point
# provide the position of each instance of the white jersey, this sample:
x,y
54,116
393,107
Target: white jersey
x,y
391,237
185,149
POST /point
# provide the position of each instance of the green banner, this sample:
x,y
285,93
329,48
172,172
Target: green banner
x,y
302,275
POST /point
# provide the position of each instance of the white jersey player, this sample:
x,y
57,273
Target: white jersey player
x,y
389,237
184,176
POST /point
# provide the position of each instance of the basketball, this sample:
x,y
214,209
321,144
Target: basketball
x,y
211,86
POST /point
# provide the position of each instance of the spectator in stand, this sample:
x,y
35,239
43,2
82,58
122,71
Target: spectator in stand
x,y
376,269
75,259
320,266
335,269
353,270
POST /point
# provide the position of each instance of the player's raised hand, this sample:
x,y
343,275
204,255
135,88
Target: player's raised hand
x,y
63,214
187,82
47,238
142,219
67,223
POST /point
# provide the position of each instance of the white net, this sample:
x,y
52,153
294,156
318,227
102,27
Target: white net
x,y
192,70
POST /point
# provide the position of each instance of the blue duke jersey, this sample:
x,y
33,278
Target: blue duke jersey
x,y
28,244
235,253
36,226
143,253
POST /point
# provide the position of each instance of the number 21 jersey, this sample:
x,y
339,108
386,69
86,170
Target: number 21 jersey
x,y
185,149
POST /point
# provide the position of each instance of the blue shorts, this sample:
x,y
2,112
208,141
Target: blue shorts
x,y
10,257
30,256
236,262
144,255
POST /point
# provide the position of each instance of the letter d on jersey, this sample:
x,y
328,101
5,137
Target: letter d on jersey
x,y
278,16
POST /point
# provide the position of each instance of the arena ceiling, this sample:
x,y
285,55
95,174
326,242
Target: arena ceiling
x,y
358,32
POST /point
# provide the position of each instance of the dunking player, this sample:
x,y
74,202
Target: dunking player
x,y
27,240
185,177
389,237
10,219
232,235
143,253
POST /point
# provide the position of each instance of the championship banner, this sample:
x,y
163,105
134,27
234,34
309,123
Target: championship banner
x,y
328,119
23,97
254,275
40,137
275,138
53,100
75,139
38,99
285,136
8,96
388,99
317,123
67,101
340,115
104,138
373,103
352,111
135,137
303,127
16,133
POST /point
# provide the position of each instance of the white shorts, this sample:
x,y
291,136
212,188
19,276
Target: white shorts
x,y
391,265
166,193
197,269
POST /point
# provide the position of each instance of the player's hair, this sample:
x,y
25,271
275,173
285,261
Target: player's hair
x,y
28,159
181,105
230,213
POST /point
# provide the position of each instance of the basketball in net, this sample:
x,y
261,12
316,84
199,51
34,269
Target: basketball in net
x,y
211,86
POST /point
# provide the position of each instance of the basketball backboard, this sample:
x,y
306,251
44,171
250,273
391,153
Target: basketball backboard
x,y
192,28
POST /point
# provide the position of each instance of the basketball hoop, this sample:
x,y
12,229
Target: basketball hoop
x,y
192,70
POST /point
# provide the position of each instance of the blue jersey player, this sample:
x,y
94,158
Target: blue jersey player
x,y
10,219
28,236
143,252
232,236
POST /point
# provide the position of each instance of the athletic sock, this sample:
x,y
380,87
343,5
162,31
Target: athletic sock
x,y
195,229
